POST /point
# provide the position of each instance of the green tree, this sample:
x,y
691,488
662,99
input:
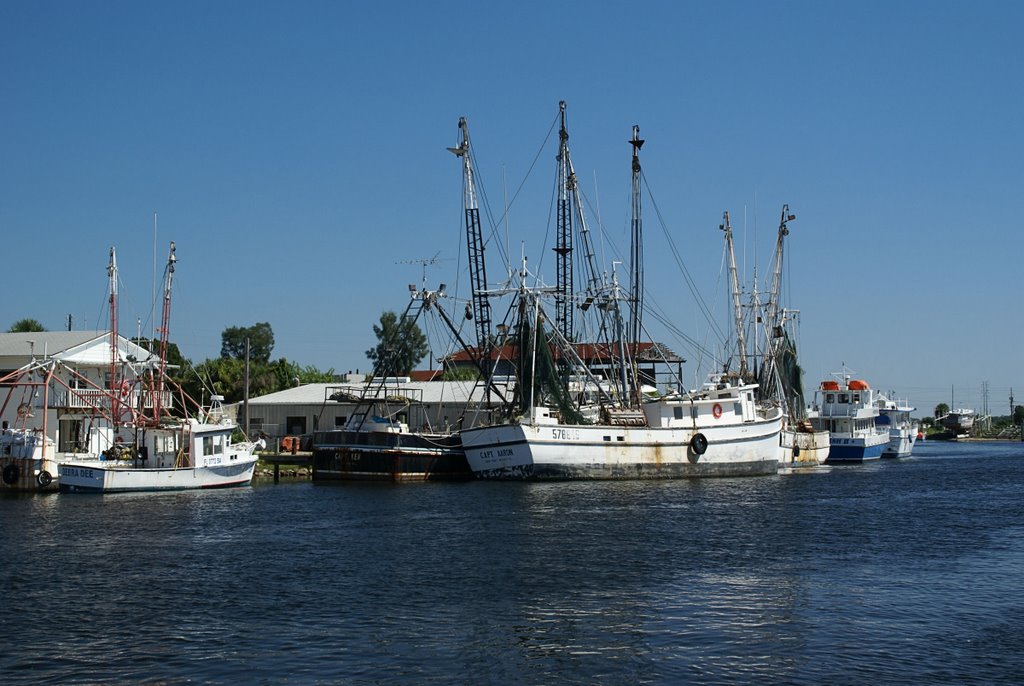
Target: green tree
x,y
1018,415
26,326
400,346
941,409
175,359
461,373
261,342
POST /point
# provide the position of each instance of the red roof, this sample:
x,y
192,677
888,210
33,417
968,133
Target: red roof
x,y
591,353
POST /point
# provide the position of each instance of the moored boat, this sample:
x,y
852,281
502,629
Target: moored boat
x,y
848,411
155,447
717,431
903,433
177,455
384,449
570,420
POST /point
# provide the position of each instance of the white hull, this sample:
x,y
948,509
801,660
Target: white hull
x,y
901,443
803,448
111,477
545,451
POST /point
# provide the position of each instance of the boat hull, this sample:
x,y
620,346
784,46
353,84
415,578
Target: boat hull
x,y
858,448
26,474
525,451
901,444
803,448
385,456
101,478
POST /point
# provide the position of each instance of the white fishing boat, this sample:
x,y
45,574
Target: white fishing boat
x,y
903,432
848,410
177,455
152,445
779,379
717,431
568,420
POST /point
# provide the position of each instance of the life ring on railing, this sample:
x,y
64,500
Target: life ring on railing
x,y
44,479
11,474
699,444
125,389
716,411
24,410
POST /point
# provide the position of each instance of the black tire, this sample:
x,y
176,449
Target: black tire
x,y
44,479
699,444
11,474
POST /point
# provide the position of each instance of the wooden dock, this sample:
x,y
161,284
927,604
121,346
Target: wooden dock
x,y
298,458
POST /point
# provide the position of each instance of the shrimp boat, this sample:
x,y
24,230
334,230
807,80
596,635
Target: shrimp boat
x,y
153,448
568,420
779,379
903,432
176,455
848,410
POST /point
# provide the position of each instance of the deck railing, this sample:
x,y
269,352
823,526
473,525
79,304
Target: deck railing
x,y
88,398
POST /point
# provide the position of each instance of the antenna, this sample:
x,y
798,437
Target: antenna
x,y
429,262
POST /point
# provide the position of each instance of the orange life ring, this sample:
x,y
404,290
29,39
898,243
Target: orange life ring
x,y
125,389
716,411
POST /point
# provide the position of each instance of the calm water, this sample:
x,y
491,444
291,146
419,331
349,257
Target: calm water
x,y
895,572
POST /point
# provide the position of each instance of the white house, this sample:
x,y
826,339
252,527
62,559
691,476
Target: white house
x,y
80,383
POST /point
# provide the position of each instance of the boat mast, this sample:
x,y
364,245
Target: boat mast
x,y
636,265
737,305
165,328
114,385
481,309
775,293
563,248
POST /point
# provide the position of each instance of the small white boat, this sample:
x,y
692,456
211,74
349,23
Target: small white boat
x,y
174,456
895,414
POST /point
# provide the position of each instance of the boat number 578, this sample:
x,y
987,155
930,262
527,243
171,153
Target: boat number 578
x,y
566,434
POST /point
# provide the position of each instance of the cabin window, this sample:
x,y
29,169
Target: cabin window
x,y
737,409
340,421
750,397
830,398
218,444
856,397
608,438
207,445
678,412
844,397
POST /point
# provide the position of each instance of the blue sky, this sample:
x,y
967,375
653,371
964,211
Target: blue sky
x,y
296,154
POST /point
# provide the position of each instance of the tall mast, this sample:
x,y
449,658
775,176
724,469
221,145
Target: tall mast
x,y
481,310
775,294
114,381
563,248
165,328
737,306
636,261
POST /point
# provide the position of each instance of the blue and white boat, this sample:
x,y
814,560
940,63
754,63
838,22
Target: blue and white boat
x,y
848,411
895,416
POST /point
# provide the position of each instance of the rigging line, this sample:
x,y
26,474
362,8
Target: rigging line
x,y
679,262
685,338
483,194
